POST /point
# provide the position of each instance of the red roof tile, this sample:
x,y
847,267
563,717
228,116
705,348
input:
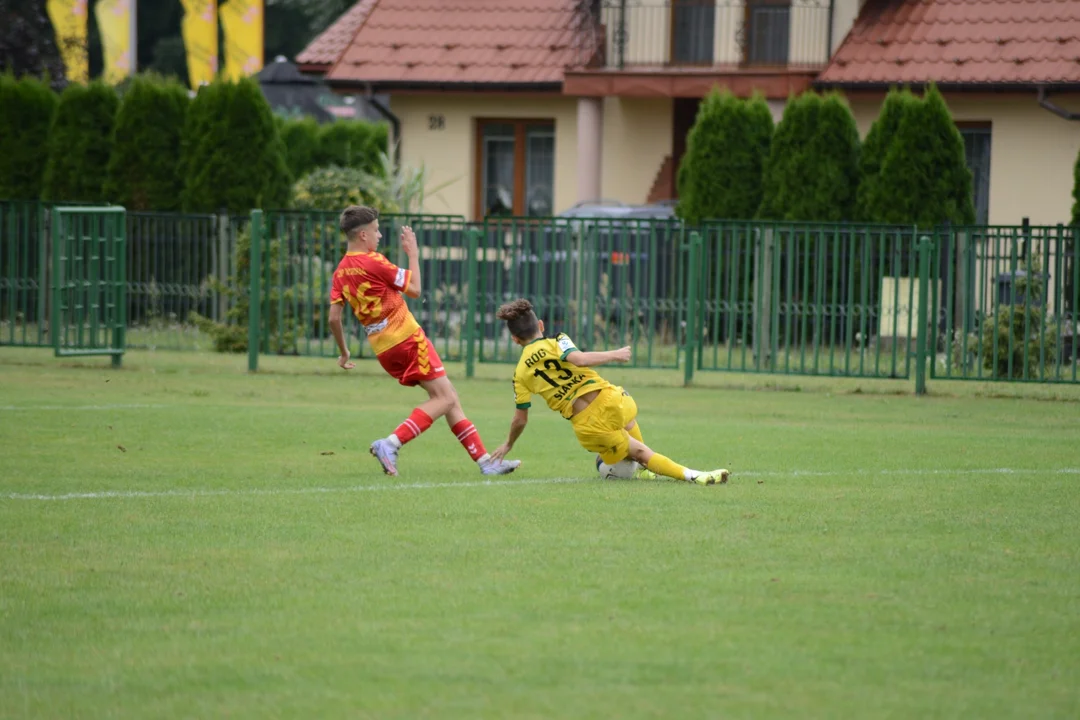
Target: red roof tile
x,y
463,41
960,42
328,46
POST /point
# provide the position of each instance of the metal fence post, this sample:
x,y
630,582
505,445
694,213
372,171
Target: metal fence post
x,y
923,320
472,242
118,235
255,290
763,302
693,269
221,262
56,313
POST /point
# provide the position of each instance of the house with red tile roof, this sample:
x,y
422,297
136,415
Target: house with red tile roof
x,y
528,107
1010,73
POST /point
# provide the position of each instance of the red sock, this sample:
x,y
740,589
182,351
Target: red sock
x,y
469,439
416,423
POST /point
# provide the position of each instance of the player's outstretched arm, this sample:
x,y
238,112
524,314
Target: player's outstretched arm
x,y
594,359
412,251
336,310
517,426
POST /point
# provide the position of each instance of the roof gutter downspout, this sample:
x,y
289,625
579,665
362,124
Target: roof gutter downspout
x,y
1044,102
394,120
829,31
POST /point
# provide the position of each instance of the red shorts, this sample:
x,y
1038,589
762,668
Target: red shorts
x,y
413,361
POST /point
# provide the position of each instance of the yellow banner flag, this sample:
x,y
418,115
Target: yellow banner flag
x,y
69,19
199,28
242,21
114,21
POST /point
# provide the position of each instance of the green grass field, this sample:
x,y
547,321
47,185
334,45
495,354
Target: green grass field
x,y
181,539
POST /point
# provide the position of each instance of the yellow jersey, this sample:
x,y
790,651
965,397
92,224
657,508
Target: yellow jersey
x,y
544,371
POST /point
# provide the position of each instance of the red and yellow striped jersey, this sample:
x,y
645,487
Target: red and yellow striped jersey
x,y
372,285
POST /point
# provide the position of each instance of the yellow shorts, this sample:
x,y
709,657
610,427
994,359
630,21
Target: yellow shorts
x,y
601,427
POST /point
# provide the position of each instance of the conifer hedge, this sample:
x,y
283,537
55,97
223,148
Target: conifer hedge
x,y
26,114
301,138
233,157
924,177
352,143
143,168
80,143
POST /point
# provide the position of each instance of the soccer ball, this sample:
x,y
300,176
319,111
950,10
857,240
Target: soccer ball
x,y
622,470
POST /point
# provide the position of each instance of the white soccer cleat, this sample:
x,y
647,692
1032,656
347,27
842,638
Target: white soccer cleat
x,y
386,454
498,467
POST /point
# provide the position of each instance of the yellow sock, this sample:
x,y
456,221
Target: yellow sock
x,y
635,432
667,467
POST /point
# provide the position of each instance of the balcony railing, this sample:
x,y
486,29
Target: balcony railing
x,y
653,34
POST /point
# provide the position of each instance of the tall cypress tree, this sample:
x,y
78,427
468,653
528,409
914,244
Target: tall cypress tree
x,y
812,171
26,113
80,143
720,175
832,164
877,143
781,175
143,172
925,179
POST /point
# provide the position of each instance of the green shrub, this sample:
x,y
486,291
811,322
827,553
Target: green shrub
x,y
720,175
330,188
278,314
391,189
143,168
26,113
351,143
924,178
1020,332
80,143
301,139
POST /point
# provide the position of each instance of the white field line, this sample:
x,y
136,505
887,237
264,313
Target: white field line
x,y
33,408
195,492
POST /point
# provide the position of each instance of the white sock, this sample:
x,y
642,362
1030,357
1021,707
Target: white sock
x,y
690,475
393,440
483,458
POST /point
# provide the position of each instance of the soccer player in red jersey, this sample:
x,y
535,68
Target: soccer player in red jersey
x,y
372,286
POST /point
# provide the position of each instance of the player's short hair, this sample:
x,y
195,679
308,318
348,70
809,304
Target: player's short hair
x,y
355,217
520,319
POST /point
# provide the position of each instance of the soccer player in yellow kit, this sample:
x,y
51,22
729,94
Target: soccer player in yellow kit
x,y
604,416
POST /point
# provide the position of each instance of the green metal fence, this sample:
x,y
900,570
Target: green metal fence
x,y
807,299
1000,303
23,274
1004,303
298,252
179,267
182,275
606,283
